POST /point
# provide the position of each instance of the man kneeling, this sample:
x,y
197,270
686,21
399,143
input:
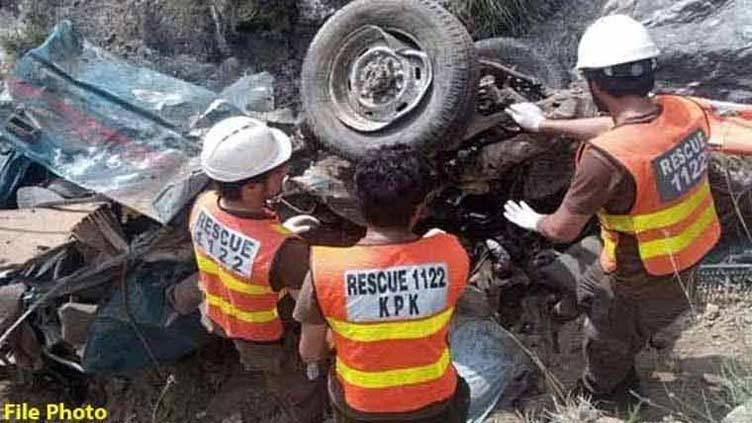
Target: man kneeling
x,y
388,301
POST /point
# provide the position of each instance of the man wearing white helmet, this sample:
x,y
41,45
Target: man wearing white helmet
x,y
247,259
643,173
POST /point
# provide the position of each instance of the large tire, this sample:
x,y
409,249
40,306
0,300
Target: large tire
x,y
519,55
439,120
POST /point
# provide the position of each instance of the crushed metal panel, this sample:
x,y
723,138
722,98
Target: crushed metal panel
x,y
113,346
328,180
13,167
123,131
24,234
101,232
495,368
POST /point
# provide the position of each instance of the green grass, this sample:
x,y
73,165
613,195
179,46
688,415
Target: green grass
x,y
491,18
738,384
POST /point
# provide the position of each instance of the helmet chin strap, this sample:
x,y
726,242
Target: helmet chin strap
x,y
633,69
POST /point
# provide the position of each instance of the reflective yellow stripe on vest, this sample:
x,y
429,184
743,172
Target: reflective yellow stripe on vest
x,y
399,377
660,219
373,332
679,242
246,316
231,282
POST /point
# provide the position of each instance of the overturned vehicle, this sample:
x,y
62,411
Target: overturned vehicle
x,y
376,75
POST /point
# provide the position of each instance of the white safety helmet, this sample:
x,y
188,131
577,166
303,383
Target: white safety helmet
x,y
615,40
241,147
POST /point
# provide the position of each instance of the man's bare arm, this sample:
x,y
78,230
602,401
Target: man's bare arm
x,y
313,344
730,125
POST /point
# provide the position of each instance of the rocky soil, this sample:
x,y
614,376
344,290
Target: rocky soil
x,y
700,379
211,43
689,374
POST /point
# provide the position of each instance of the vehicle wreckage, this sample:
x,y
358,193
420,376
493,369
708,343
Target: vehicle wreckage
x,y
103,155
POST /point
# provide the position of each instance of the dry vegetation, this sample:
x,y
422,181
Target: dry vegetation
x,y
706,374
492,18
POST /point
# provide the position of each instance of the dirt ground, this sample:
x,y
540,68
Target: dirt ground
x,y
209,386
686,383
691,382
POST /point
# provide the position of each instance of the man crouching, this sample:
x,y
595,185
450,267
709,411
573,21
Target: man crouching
x,y
388,302
248,261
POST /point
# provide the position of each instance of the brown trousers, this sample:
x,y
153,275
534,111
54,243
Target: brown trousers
x,y
622,312
303,400
284,372
455,412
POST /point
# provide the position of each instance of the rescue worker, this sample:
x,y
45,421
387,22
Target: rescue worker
x,y
247,260
388,302
643,173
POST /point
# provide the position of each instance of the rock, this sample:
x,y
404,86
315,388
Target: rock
x,y
742,414
665,377
188,68
235,418
10,304
713,380
717,64
315,12
252,92
712,312
227,72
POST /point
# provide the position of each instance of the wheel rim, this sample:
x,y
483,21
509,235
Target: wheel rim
x,y
377,78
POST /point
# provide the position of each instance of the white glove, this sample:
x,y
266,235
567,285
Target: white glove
x,y
527,115
301,224
522,215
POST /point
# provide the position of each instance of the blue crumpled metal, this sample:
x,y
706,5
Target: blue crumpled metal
x,y
13,167
114,346
127,132
495,368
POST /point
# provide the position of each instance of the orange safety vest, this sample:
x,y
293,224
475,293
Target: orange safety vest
x,y
389,308
235,257
673,218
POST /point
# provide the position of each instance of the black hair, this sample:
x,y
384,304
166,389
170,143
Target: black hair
x,y
232,190
391,183
635,78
